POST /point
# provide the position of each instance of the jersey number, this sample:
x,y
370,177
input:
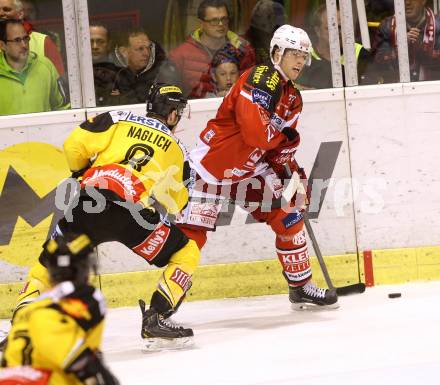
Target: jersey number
x,y
138,156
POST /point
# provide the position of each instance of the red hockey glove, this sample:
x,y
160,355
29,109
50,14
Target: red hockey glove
x,y
281,156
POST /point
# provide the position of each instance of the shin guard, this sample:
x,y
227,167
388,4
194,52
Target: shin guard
x,y
176,279
294,258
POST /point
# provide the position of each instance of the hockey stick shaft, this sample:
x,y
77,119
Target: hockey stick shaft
x,y
317,251
343,290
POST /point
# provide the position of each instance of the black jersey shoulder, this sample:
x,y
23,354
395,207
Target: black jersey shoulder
x,y
265,86
104,121
85,305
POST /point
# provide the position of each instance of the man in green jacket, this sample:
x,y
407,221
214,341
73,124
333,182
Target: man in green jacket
x,y
40,43
28,82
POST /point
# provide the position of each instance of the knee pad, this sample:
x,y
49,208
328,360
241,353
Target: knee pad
x,y
286,225
176,279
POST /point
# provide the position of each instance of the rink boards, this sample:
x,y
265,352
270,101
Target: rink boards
x,y
373,152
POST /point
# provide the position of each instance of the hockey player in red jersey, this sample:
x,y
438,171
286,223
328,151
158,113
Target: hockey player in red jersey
x,y
242,155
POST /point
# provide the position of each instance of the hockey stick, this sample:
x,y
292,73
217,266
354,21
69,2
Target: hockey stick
x,y
343,290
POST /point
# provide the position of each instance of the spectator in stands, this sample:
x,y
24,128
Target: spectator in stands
x,y
29,10
319,73
104,68
224,71
100,43
266,17
146,62
423,33
379,9
193,57
28,82
40,43
181,19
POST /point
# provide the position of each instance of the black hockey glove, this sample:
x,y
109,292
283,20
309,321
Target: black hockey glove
x,y
90,370
79,173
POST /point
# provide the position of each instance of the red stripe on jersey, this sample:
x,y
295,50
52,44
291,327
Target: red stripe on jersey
x,y
115,178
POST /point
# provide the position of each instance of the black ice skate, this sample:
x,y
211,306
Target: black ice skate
x,y
309,297
159,333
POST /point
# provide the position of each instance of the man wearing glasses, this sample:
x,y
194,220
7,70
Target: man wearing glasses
x,y
193,57
28,82
40,43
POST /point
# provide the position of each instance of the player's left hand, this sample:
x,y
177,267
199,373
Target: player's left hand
x,y
280,157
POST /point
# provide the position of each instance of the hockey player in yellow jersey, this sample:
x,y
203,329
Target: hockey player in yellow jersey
x,y
132,172
56,339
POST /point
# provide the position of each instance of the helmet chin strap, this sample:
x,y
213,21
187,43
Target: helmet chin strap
x,y
276,64
278,68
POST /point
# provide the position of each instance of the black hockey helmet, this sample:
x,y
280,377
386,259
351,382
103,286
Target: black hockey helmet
x,y
163,98
68,257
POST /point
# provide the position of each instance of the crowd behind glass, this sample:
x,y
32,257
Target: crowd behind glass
x,y
203,46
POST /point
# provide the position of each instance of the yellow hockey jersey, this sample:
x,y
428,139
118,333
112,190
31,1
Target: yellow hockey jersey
x,y
52,332
135,157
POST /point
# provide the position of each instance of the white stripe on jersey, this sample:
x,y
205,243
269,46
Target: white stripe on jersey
x,y
291,251
196,156
247,96
293,120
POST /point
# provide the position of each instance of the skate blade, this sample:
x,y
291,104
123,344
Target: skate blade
x,y
158,344
305,306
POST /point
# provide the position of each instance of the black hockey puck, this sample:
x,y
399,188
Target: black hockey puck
x,y
394,295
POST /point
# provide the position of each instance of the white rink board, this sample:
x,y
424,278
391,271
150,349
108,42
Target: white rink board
x,y
323,120
393,138
238,241
49,127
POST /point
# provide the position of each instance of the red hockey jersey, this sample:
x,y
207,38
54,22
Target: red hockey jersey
x,y
259,114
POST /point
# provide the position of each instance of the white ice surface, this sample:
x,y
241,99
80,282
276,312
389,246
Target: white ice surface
x,y
369,340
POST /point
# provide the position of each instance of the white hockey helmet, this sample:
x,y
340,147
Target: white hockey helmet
x,y
289,37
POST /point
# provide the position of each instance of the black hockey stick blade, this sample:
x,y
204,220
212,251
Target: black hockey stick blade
x,y
351,289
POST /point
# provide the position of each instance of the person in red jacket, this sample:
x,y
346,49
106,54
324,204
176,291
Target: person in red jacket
x,y
193,57
423,35
242,155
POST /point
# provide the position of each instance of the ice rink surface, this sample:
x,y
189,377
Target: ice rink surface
x,y
370,340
